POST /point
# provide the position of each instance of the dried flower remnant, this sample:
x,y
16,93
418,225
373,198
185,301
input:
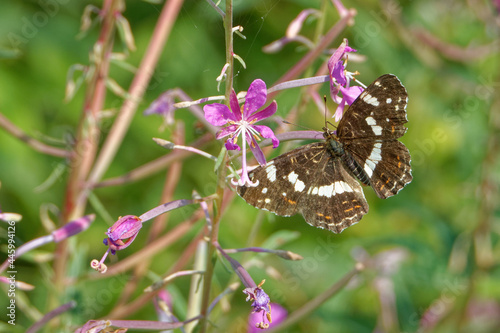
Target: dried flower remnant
x,y
255,320
261,303
122,233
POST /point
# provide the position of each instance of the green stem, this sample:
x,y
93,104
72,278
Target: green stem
x,y
221,174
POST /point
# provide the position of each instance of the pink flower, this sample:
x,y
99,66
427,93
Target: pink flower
x,y
241,122
339,81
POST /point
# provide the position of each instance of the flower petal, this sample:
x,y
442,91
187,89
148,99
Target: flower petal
x,y
267,133
351,93
226,131
339,54
230,145
255,99
296,25
125,227
218,114
235,106
263,114
338,73
339,111
257,152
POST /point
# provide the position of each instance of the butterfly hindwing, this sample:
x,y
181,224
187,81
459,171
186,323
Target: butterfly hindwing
x,y
387,165
335,199
307,180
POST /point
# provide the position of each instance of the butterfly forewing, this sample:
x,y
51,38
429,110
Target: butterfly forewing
x,y
369,131
279,188
319,181
379,111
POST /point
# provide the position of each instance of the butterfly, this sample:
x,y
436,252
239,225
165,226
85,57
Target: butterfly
x,y
321,180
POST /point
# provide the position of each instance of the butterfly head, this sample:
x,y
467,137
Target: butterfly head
x,y
329,134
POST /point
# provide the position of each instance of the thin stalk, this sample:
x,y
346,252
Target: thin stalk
x,y
312,55
87,136
313,304
159,223
33,143
221,174
138,87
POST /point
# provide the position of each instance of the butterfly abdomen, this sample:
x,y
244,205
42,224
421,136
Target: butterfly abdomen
x,y
337,149
355,168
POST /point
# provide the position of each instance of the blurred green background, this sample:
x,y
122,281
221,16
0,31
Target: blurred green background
x,y
442,230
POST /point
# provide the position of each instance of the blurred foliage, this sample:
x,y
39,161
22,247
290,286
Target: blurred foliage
x,y
453,137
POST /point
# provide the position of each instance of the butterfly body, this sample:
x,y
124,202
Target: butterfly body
x,y
320,180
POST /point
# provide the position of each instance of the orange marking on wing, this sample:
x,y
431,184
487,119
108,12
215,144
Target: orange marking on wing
x,y
348,210
292,202
319,214
328,217
393,129
358,206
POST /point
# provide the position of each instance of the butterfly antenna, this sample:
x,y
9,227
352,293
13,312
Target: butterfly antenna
x,y
326,123
304,127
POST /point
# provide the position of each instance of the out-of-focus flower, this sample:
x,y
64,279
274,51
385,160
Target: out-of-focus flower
x,y
241,122
163,307
496,3
164,106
